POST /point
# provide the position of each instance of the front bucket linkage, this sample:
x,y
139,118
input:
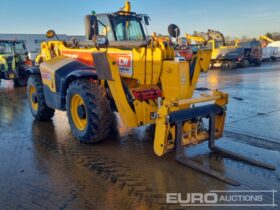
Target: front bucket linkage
x,y
181,116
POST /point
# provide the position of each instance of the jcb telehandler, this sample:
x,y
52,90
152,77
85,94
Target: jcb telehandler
x,y
121,70
14,61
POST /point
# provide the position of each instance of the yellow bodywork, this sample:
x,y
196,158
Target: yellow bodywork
x,y
5,66
197,39
266,38
3,61
216,50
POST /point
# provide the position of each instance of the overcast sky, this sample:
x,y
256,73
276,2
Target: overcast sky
x,y
232,17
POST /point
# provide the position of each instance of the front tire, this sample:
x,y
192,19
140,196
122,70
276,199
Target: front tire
x,y
244,63
88,110
36,99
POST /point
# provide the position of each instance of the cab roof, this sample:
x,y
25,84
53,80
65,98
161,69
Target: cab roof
x,y
11,41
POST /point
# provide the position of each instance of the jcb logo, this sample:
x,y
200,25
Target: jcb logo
x,y
124,61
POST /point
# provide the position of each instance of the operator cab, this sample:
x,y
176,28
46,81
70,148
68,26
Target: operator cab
x,y
12,52
13,61
15,49
120,29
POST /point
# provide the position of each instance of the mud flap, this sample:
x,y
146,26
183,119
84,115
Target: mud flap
x,y
102,66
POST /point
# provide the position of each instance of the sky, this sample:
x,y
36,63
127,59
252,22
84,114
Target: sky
x,y
234,18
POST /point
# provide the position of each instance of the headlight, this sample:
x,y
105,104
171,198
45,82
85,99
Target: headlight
x,y
11,76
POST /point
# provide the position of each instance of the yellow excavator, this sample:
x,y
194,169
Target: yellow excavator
x,y
196,38
266,39
221,50
196,42
120,70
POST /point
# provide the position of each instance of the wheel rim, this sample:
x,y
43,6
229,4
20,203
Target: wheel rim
x,y
78,112
33,98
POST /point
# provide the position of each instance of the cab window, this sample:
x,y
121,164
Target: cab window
x,y
20,48
102,30
219,44
127,28
6,48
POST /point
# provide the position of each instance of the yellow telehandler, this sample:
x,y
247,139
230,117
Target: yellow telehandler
x,y
120,70
14,61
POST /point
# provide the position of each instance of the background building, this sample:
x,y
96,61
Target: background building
x,y
33,41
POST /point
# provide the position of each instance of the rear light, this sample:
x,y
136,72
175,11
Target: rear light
x,y
143,95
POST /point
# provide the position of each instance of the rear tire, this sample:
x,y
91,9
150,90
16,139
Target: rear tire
x,y
224,66
258,63
88,109
36,99
21,81
227,65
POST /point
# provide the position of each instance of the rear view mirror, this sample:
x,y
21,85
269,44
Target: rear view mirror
x,y
90,26
174,30
100,41
146,20
50,34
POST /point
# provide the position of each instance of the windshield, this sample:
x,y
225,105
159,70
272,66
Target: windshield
x,y
127,28
219,44
6,48
20,48
249,44
232,52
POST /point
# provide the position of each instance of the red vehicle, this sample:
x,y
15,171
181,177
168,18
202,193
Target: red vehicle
x,y
187,53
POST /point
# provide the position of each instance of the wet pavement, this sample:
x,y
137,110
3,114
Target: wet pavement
x,y
43,167
254,104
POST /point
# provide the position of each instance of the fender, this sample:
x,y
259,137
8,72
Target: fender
x,y
77,74
59,73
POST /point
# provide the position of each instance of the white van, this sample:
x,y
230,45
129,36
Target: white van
x,y
272,51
